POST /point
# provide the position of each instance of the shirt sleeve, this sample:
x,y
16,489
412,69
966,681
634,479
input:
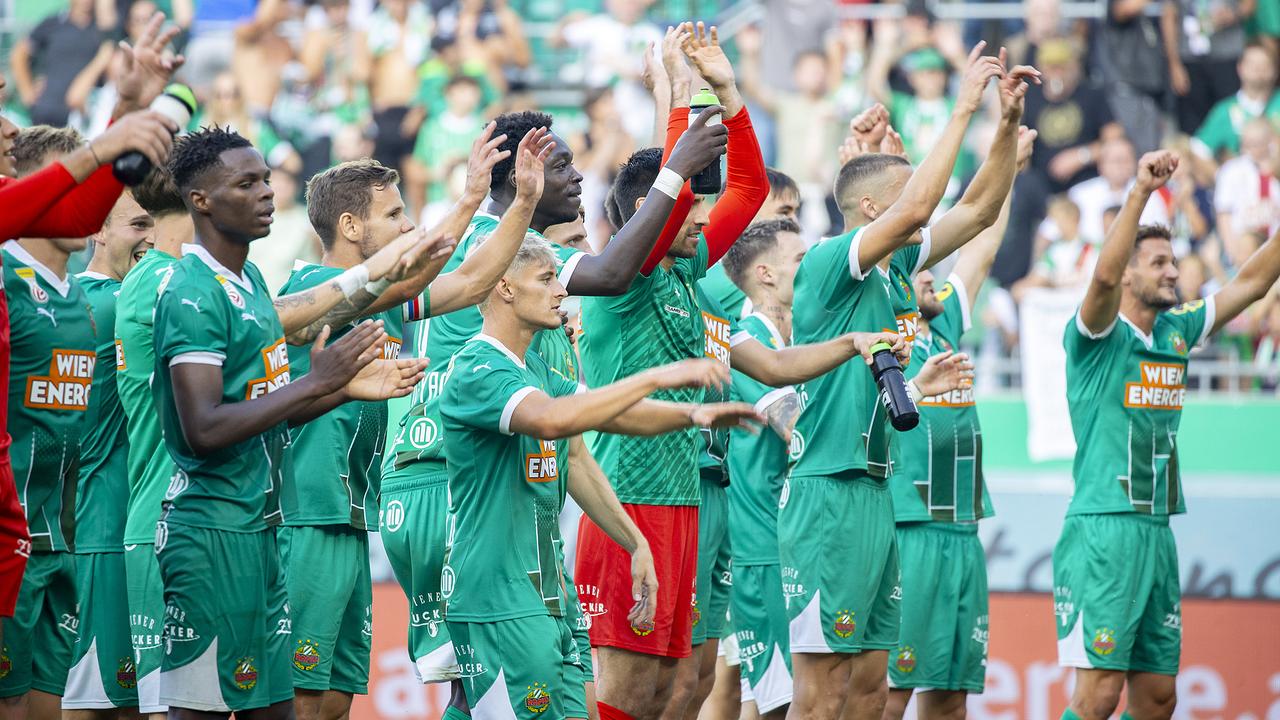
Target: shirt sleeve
x,y
910,260
834,263
567,258
954,320
190,325
1195,319
484,393
749,390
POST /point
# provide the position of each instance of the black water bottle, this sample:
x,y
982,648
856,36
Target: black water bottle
x,y
893,388
176,103
707,180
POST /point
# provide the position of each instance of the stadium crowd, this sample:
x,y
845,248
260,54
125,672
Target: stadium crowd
x,y
410,83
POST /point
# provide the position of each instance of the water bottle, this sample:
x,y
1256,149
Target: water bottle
x,y
176,103
708,180
893,388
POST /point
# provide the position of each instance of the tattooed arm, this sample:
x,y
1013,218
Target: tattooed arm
x,y
781,414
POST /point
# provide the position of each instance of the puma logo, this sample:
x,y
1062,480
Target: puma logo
x,y
49,314
193,303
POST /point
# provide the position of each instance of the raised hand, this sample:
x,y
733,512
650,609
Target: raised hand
x,y
893,144
484,155
700,145
530,158
870,126
700,372
386,379
1013,88
1026,144
980,71
945,372
702,48
334,366
727,415
147,67
1155,169
674,66
146,131
653,75
418,255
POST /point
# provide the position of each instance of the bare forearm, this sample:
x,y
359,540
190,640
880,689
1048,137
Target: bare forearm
x,y
782,414
480,272
791,365
304,314
590,488
652,417
980,205
212,426
977,257
612,271
575,414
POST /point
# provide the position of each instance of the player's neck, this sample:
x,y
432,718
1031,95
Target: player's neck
x,y
778,312
335,258
502,325
498,207
174,231
231,254
100,265
47,254
667,262
1142,315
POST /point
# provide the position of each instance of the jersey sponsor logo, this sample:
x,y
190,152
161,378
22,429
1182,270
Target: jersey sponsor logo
x,y
391,348
844,624
126,673
307,655
537,700
178,484
393,516
541,466
67,385
120,364
468,665
906,660
1104,641
245,674
953,399
796,448
716,330
275,364
232,293
1187,307
675,310
37,293
750,648
792,587
908,326
422,432
176,629
1162,387
448,579
143,634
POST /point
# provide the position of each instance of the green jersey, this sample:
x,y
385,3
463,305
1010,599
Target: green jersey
x,y
1224,124
937,471
757,462
149,464
721,333
1125,391
420,438
207,314
921,123
843,426
103,493
505,489
718,285
334,464
657,321
51,360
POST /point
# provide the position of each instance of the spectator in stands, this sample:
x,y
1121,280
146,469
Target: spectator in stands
x,y
444,139
1190,200
1064,259
1132,56
1117,167
398,43
806,122
497,31
1247,198
213,40
613,45
1219,136
227,108
1072,119
601,149
1266,358
291,239
1042,20
334,82
1204,42
46,62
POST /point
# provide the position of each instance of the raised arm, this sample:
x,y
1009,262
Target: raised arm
x,y
976,258
1102,299
481,271
148,66
922,193
801,363
980,205
542,416
1257,276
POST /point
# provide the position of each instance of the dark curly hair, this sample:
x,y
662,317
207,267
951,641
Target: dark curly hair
x,y
515,126
197,153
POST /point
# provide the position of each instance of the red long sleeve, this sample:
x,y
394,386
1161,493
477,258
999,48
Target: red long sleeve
x,y
677,123
51,204
746,189
23,201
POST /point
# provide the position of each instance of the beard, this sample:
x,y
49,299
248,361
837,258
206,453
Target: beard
x,y
1157,298
930,310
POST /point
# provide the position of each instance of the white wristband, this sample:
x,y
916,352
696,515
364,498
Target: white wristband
x,y
377,287
916,393
353,280
669,183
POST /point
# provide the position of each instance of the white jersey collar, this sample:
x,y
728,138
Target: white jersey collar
x,y
208,259
61,285
495,342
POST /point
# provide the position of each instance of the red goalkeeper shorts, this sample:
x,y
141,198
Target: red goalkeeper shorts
x,y
603,578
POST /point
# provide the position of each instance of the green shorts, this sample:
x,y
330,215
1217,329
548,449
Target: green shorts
x,y
715,574
576,674
326,571
226,620
839,562
760,617
943,641
146,622
45,618
103,672
579,623
415,512
1116,594
523,666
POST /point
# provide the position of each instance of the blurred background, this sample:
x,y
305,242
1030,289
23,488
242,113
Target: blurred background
x,y
411,83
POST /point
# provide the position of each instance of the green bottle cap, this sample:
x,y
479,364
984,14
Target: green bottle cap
x,y
183,93
704,98
880,346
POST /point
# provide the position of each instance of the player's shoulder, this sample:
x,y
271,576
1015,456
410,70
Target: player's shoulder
x,y
305,276
99,288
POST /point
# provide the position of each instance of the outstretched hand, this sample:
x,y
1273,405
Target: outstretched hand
x,y
409,254
148,66
334,366
484,155
1026,144
531,157
945,372
694,373
1013,88
727,415
980,71
385,379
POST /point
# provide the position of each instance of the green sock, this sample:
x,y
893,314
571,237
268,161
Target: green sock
x,y
1070,714
455,713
